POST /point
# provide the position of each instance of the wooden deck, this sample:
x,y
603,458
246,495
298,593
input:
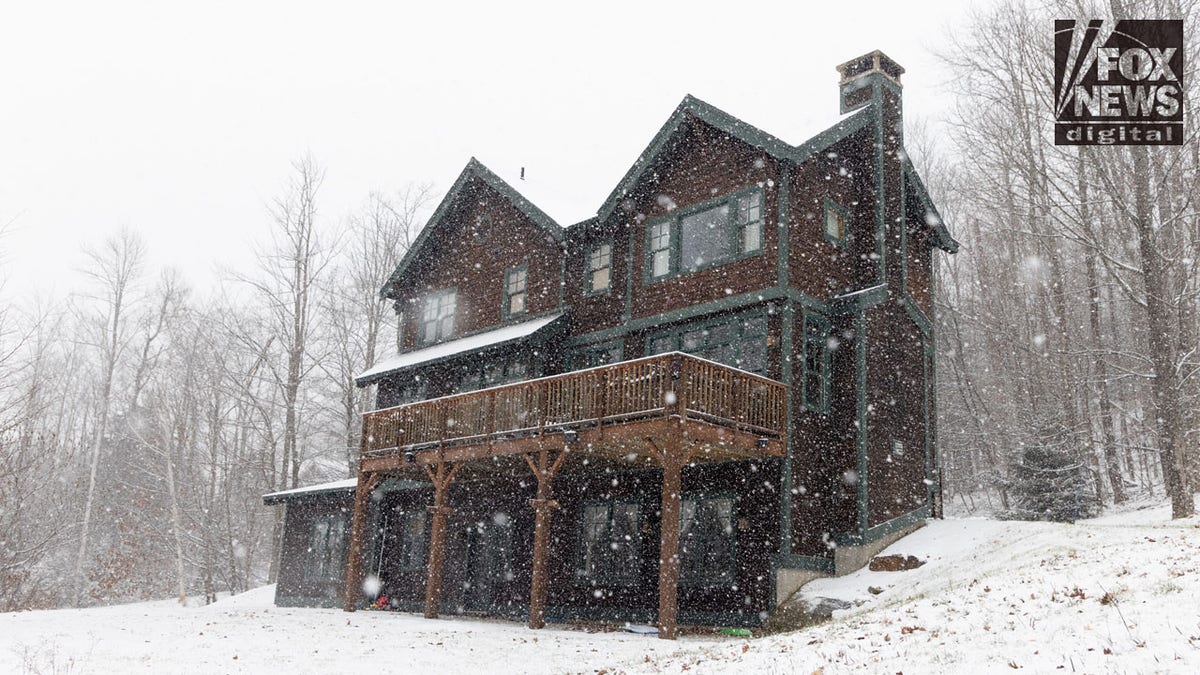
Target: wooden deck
x,y
731,413
666,411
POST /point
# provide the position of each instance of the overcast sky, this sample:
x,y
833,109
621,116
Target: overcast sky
x,y
182,123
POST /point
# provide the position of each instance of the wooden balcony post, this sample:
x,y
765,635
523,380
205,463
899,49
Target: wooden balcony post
x,y
673,456
543,469
358,528
441,477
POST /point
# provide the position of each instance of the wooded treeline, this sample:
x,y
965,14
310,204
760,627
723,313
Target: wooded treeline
x,y
141,423
1071,311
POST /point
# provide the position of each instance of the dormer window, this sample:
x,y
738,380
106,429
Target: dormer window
x,y
437,316
599,268
514,291
711,233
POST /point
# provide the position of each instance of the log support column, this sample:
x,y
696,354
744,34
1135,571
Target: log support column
x,y
441,475
358,530
673,455
544,464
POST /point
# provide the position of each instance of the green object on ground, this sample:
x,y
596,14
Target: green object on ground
x,y
736,632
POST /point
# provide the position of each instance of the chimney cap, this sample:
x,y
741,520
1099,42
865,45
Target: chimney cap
x,y
873,62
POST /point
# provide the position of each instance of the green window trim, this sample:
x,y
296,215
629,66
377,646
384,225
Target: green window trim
x,y
598,265
609,551
437,316
835,222
326,548
516,291
743,230
817,361
708,527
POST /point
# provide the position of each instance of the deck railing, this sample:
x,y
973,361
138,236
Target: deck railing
x,y
660,385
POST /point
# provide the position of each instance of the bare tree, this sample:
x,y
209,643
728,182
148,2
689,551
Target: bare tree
x,y
113,271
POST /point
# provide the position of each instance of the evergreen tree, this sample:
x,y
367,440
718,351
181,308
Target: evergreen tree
x,y
1051,482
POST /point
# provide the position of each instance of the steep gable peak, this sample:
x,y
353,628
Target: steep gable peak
x,y
460,190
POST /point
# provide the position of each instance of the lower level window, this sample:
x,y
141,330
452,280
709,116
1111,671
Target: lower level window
x,y
326,548
706,540
609,551
412,541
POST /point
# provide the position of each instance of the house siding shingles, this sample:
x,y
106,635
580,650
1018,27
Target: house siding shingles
x,y
475,265
703,165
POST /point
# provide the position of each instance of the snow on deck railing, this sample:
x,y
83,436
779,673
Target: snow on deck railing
x,y
612,393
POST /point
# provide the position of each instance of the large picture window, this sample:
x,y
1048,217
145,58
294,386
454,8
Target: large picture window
x,y
707,540
326,548
609,549
437,316
711,233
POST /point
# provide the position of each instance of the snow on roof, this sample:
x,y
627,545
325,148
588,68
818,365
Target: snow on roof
x,y
347,484
491,338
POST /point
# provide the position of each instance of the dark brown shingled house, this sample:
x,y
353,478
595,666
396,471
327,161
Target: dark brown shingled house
x,y
679,410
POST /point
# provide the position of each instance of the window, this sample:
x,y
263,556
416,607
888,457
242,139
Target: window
x,y
749,221
395,391
738,341
704,238
837,219
514,291
477,374
595,355
326,548
609,551
706,540
660,249
711,234
599,269
816,363
412,541
437,316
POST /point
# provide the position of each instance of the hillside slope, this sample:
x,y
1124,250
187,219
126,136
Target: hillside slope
x,y
1114,594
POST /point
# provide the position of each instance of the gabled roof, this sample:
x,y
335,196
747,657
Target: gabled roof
x,y
475,170
691,108
933,219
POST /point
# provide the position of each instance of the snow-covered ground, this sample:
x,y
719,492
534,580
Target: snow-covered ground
x,y
1115,594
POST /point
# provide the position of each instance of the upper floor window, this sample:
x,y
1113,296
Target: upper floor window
x,y
711,234
599,268
437,316
514,291
837,220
